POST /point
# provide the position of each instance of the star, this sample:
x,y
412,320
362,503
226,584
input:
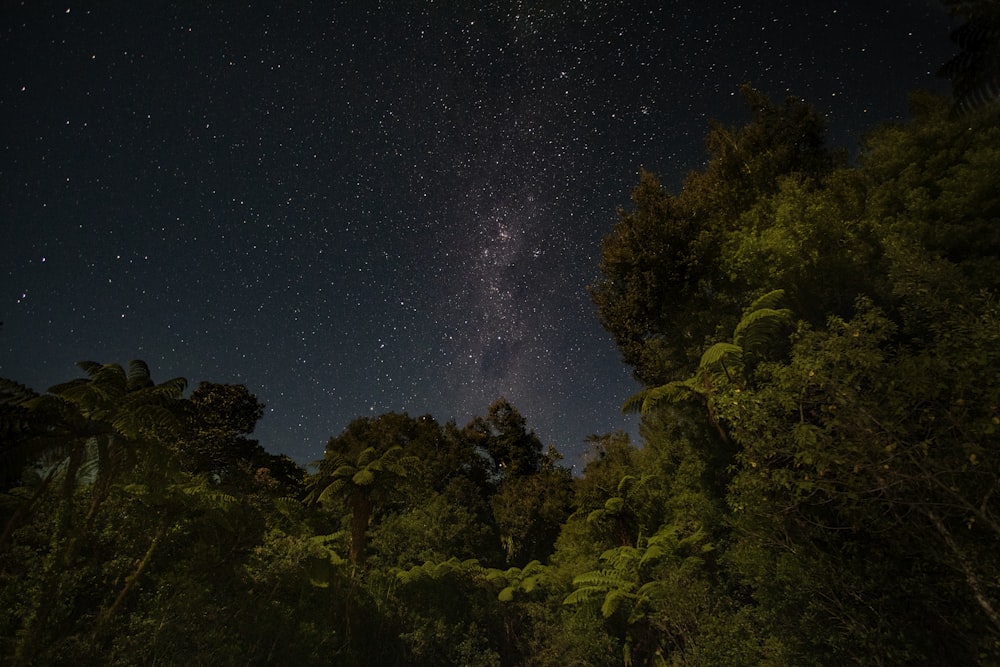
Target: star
x,y
353,210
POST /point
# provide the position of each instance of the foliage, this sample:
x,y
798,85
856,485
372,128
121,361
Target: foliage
x,y
816,482
669,274
503,436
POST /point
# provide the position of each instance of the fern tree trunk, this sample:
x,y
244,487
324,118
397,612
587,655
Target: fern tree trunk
x,y
361,513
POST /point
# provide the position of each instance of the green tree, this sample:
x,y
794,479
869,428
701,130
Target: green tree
x,y
503,435
362,466
455,522
844,473
669,278
217,418
858,442
93,430
529,511
654,593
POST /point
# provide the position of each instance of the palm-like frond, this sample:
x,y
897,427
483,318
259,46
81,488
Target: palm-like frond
x,y
634,402
759,329
364,477
607,586
366,457
91,418
770,300
717,354
647,399
469,568
138,376
516,579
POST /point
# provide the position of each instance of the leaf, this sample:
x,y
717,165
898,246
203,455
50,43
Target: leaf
x,y
366,457
635,402
614,505
343,471
531,583
717,352
596,516
770,300
91,368
612,601
138,375
759,328
646,400
364,477
584,594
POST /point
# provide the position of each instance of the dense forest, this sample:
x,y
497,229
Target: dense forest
x,y
817,482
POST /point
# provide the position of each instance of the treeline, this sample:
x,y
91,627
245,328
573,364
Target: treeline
x,y
817,482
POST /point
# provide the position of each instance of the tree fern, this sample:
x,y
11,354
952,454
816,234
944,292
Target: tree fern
x,y
515,580
437,570
363,483
138,376
647,399
756,334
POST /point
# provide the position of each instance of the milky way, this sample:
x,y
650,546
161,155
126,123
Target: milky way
x,y
360,207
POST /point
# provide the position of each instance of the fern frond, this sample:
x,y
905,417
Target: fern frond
x,y
584,594
770,300
343,471
646,400
603,579
652,553
138,375
12,392
531,583
173,388
364,477
16,415
613,601
287,506
366,456
635,402
759,327
329,491
91,368
614,505
718,352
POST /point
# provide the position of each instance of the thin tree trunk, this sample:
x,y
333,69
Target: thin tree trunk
x,y
134,577
971,577
360,516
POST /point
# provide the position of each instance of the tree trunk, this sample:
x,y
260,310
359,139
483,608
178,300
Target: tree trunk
x,y
134,577
971,577
361,512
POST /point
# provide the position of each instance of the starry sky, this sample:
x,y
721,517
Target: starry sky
x,y
355,207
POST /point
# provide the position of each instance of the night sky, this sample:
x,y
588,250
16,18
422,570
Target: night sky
x,y
363,207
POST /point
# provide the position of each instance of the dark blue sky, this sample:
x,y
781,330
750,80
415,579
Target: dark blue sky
x,y
361,207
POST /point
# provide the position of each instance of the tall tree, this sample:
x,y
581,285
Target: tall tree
x,y
216,419
504,436
852,481
363,466
669,275
107,422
